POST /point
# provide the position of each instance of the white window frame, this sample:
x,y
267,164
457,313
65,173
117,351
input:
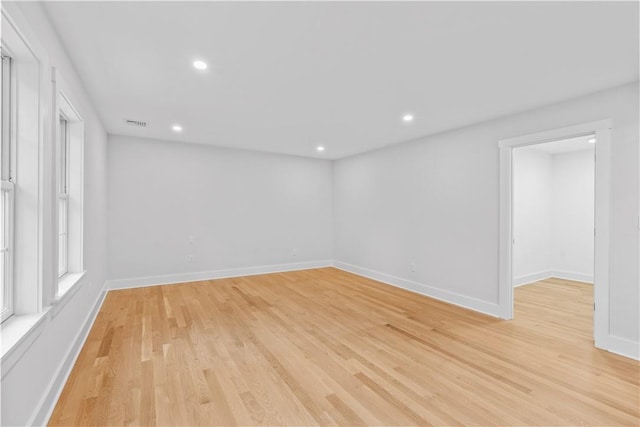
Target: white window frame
x,y
7,182
27,148
70,189
7,248
63,196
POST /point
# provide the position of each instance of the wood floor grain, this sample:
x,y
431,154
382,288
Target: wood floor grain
x,y
325,347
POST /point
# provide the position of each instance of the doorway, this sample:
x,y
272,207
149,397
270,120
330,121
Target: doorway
x,y
553,239
600,131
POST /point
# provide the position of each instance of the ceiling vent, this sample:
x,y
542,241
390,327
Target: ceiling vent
x,y
135,123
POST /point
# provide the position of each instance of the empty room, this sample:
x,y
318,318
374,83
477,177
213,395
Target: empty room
x,y
326,213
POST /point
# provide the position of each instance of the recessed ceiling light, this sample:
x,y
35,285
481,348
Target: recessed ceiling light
x,y
320,148
591,140
176,128
407,118
200,65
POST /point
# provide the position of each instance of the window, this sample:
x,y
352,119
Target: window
x,y
63,197
69,171
7,195
21,171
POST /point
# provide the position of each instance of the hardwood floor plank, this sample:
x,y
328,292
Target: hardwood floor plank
x,y
325,347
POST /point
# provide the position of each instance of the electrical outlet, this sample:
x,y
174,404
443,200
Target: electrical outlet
x,y
190,258
191,240
412,266
294,252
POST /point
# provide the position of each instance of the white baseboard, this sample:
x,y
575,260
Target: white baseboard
x,y
531,278
570,275
475,304
139,282
48,401
560,274
623,347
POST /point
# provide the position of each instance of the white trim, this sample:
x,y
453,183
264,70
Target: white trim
x,y
602,131
531,278
602,243
28,131
548,274
464,301
18,333
9,282
138,282
505,239
74,194
623,347
572,275
555,134
9,149
48,401
67,288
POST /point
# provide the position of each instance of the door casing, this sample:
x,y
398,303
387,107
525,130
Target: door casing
x,y
602,223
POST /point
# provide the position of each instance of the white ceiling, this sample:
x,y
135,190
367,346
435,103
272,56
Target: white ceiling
x,y
286,76
578,143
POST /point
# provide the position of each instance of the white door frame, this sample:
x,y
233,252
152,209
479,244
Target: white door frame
x,y
602,130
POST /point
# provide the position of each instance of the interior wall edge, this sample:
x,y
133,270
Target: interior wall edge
x,y
531,278
139,282
547,274
623,346
573,275
47,403
485,307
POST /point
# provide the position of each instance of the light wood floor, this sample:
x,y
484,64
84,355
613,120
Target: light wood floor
x,y
324,347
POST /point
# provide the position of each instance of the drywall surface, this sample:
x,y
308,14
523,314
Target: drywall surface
x,y
532,199
177,208
29,385
435,202
553,215
572,214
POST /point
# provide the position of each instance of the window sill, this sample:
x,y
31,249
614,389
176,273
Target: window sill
x,y
18,333
67,287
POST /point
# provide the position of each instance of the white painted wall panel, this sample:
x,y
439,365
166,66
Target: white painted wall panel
x,y
553,217
532,213
243,209
572,210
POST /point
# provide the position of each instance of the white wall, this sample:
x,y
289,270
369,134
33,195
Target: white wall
x,y
244,209
553,215
572,214
29,385
532,200
435,201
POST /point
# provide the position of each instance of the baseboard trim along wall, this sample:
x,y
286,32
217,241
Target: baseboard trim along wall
x,y
541,275
471,303
531,278
50,398
139,282
623,347
570,275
